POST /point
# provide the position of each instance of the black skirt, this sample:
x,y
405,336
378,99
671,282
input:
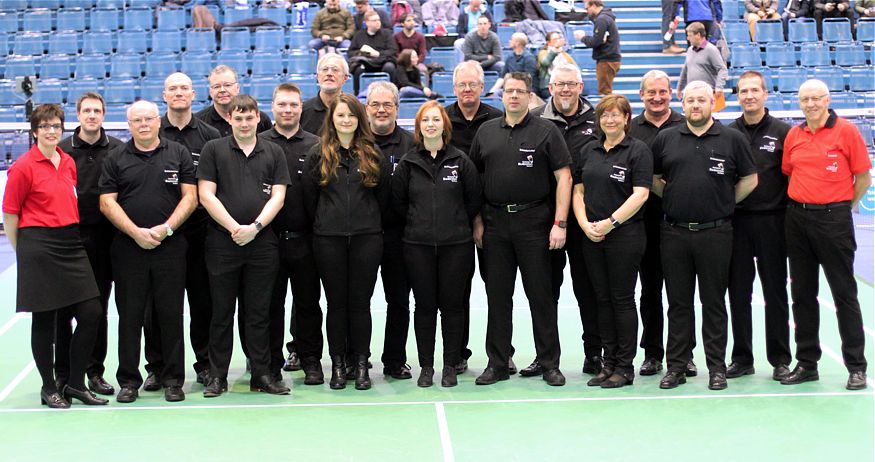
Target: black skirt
x,y
53,269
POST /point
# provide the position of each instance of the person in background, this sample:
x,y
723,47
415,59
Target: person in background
x,y
552,55
757,10
332,28
482,45
518,59
372,50
408,78
605,44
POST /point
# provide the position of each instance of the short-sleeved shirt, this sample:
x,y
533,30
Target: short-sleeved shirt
x,y
243,183
89,164
147,183
701,171
194,135
464,129
292,217
39,193
822,165
517,162
767,147
213,119
609,176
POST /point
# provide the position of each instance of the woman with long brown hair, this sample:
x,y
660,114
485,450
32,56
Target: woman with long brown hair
x,y
346,186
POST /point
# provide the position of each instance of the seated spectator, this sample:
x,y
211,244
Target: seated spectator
x,y
409,38
372,50
795,9
408,79
518,59
482,45
865,8
362,7
444,12
760,9
332,27
401,8
469,16
553,54
831,9
518,10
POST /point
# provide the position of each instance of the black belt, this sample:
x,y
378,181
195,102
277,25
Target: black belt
x,y
818,207
514,208
696,226
289,235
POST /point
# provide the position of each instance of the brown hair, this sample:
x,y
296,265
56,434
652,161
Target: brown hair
x,y
243,103
362,144
90,95
405,59
45,112
614,101
286,86
751,75
448,124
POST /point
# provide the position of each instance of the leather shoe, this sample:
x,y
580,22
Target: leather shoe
x,y
293,362
736,370
100,386
448,377
617,380
267,384
173,393
856,380
127,395
397,371
313,372
151,383
650,366
215,387
511,367
592,365
86,396
53,400
717,381
362,377
203,377
491,375
532,370
672,379
691,370
554,377
600,377
799,375
426,377
462,366
338,373
780,372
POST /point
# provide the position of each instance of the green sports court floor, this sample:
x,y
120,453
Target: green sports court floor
x,y
755,419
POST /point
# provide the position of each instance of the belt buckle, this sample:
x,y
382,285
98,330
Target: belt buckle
x,y
512,208
692,226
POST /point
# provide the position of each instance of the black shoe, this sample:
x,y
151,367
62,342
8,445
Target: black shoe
x,y
600,377
86,396
127,395
276,376
554,377
799,375
717,381
362,378
426,377
53,400
491,375
203,377
448,377
618,380
293,362
338,373
100,386
511,367
462,366
350,370
672,379
267,384
313,372
650,366
215,387
397,371
856,380
690,370
151,383
736,370
780,372
173,394
592,365
532,370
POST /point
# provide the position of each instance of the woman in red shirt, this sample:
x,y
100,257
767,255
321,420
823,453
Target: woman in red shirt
x,y
41,219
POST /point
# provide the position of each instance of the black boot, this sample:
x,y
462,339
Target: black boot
x,y
338,373
362,379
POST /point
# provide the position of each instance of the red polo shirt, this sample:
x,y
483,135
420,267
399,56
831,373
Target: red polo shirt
x,y
822,165
40,194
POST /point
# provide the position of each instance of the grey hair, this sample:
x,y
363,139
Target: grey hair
x,y
141,104
654,74
697,84
383,85
567,67
333,56
221,69
471,66
814,84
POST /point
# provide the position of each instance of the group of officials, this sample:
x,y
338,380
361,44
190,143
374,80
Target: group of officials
x,y
230,209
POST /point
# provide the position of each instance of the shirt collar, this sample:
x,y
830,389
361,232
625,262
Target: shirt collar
x,y
258,146
715,129
77,142
192,122
521,123
674,116
39,157
830,121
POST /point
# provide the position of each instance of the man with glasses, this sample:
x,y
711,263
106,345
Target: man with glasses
x,y
373,49
147,190
826,160
520,157
332,71
223,87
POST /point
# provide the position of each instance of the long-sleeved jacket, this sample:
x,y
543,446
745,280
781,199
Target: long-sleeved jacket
x,y
605,38
863,6
333,23
820,4
706,65
752,6
801,8
445,12
693,12
383,41
478,48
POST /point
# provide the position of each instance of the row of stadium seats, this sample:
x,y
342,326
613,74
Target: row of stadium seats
x,y
789,79
808,55
800,30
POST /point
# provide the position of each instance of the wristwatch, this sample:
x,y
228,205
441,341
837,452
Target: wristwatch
x,y
258,225
169,230
614,222
560,223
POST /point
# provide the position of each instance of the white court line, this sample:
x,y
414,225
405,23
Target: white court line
x,y
832,354
446,444
18,378
12,322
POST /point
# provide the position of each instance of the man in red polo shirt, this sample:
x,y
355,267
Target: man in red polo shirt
x,y
826,160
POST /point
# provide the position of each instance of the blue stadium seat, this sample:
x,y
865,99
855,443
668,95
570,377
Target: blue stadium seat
x,y
745,55
497,12
29,43
15,4
10,114
110,3
5,44
196,63
64,42
836,30
445,56
238,60
152,88
261,88
408,108
76,87
201,88
590,86
91,66
267,63
489,79
368,78
161,64
200,40
7,92
861,78
769,31
842,100
299,38
865,128
504,33
171,18
83,4
98,42
56,67
582,56
277,14
126,65
814,54
307,83
301,62
780,54
166,41
237,14
146,3
236,39
8,21
736,32
442,82
269,38
831,76
18,66
49,91
116,112
572,26
133,41
802,30
71,19
37,20
866,30
122,91
850,54
104,19
790,79
50,4
137,19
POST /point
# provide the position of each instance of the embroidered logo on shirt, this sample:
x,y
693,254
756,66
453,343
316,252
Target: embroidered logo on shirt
x,y
717,166
771,145
171,176
265,188
195,158
453,177
529,162
833,168
619,174
587,132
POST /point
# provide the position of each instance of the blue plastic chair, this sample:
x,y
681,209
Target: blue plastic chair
x,y
442,82
90,67
104,19
166,41
301,62
736,32
261,87
9,21
37,20
299,38
836,30
120,91
745,55
238,60
769,31
19,66
29,43
572,26
236,39
582,56
15,4
814,54
445,56
802,30
866,30
200,40
71,19
237,14
84,4
842,100
831,76
152,88
266,63
64,43
161,64
49,91
116,112
850,54
504,33
196,63
126,65
307,83
110,3
171,18
862,78
98,42
277,14
137,19
790,79
56,67
780,55
269,38
133,41
75,87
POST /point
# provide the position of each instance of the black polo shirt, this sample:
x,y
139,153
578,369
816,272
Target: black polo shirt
x,y
767,146
518,162
194,135
292,217
89,164
464,129
395,144
313,115
701,171
577,130
642,129
609,176
212,118
243,184
147,183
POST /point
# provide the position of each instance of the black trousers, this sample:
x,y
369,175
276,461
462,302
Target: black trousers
x,y
688,256
153,277
581,284
397,290
613,268
96,240
80,346
650,272
759,238
511,241
247,272
466,316
297,267
437,273
819,15
348,270
359,69
824,239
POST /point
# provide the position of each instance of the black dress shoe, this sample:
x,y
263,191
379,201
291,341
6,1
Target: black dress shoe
x,y
856,380
672,379
313,372
127,395
215,387
86,396
203,377
151,383
338,373
554,377
53,400
780,372
618,380
650,366
462,366
397,371
691,370
600,377
511,366
173,393
426,377
100,386
799,375
717,381
736,370
448,377
266,384
592,365
491,375
362,378
293,362
532,370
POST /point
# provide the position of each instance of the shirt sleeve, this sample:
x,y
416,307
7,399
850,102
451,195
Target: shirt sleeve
x,y
108,182
642,165
744,163
281,167
186,167
473,188
206,167
557,149
474,152
17,186
858,156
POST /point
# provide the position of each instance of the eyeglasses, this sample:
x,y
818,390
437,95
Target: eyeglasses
x,y
220,86
50,127
518,91
329,70
471,85
813,99
612,116
387,105
565,84
142,120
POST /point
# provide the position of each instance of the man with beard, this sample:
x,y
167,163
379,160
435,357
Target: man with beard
x,y
331,73
224,85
